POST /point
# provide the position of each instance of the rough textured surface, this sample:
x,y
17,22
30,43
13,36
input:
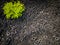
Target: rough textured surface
x,y
39,25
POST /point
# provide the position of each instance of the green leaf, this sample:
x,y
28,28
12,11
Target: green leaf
x,y
13,10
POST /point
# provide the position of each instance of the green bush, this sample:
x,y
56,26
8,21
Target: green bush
x,y
13,10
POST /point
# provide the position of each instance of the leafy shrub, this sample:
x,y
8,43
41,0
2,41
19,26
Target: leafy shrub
x,y
13,10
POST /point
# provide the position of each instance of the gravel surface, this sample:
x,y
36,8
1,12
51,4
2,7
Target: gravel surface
x,y
39,25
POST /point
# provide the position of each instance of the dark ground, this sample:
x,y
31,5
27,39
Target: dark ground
x,y
39,25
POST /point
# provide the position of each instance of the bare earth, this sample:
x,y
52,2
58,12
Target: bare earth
x,y
39,25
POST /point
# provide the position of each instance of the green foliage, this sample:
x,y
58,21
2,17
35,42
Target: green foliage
x,y
13,10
